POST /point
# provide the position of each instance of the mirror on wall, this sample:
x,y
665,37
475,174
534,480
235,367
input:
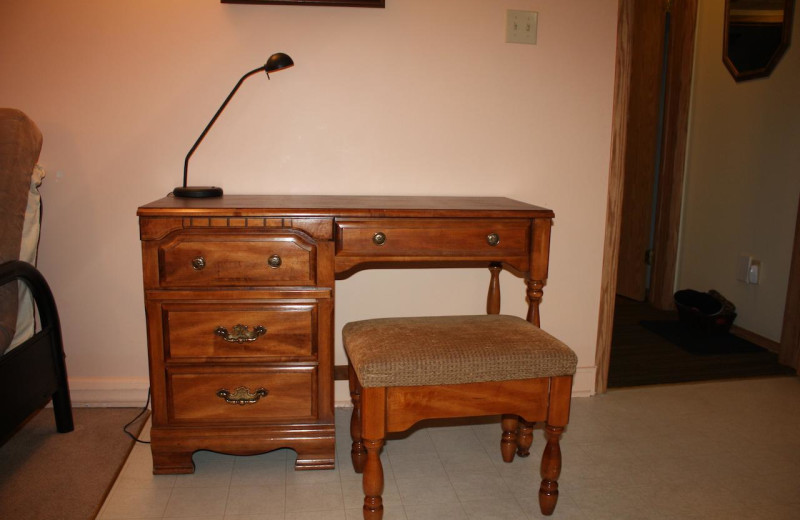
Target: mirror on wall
x,y
757,33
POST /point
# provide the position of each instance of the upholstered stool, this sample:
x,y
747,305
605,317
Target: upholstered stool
x,y
403,370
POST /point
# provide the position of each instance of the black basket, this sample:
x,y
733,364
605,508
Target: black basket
x,y
709,313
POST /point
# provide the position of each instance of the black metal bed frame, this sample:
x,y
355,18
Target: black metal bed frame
x,y
34,372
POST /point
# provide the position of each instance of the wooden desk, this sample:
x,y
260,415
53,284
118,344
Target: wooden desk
x,y
239,296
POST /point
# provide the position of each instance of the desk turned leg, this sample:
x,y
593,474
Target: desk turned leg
x,y
508,444
524,438
493,297
373,481
357,452
534,297
551,469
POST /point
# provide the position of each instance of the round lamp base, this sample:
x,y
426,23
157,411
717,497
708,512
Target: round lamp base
x,y
197,192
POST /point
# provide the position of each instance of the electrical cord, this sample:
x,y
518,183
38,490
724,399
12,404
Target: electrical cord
x,y
144,410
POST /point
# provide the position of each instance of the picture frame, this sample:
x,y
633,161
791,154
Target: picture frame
x,y
334,3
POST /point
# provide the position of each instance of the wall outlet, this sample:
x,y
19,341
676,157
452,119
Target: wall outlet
x,y
743,268
754,272
521,26
748,269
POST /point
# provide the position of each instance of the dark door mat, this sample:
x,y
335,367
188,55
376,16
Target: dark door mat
x,y
702,344
663,353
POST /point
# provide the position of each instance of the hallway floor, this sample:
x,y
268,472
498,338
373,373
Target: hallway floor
x,y
642,357
719,450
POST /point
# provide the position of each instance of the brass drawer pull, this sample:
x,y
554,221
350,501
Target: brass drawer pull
x,y
240,333
274,261
198,263
379,238
241,395
492,239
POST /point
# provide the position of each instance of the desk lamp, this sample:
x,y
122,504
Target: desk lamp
x,y
276,62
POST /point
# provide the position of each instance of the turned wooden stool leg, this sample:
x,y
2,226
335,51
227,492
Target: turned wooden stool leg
x,y
508,444
557,418
373,480
524,438
357,452
551,469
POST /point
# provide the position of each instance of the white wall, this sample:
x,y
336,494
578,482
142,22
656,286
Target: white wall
x,y
422,97
742,177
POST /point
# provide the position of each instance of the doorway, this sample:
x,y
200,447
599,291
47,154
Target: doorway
x,y
680,40
645,21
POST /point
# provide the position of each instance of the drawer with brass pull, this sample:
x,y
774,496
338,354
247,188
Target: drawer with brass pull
x,y
234,331
207,259
241,395
431,239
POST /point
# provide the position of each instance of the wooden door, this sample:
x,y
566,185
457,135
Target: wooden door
x,y
640,161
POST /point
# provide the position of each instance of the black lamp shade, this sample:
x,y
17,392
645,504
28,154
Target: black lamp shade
x,y
278,61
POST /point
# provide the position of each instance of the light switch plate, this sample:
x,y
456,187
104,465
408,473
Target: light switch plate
x,y
521,26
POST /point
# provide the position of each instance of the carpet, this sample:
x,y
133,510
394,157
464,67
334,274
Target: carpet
x,y
45,475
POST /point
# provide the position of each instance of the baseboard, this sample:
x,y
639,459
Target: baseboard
x,y
108,391
756,339
341,392
583,383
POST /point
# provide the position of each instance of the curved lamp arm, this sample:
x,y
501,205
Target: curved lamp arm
x,y
276,62
213,120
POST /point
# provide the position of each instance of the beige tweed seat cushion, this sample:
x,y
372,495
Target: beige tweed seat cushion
x,y
453,350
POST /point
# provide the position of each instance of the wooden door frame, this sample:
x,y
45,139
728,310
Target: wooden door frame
x,y
668,209
790,334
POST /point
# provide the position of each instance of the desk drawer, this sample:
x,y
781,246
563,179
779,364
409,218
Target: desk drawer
x,y
225,259
264,395
212,332
433,238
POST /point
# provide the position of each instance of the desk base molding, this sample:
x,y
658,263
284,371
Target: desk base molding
x,y
173,447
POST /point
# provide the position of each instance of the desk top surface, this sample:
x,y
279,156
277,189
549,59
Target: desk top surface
x,y
345,206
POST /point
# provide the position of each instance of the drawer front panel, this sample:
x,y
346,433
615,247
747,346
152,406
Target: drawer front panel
x,y
204,260
444,238
209,331
195,396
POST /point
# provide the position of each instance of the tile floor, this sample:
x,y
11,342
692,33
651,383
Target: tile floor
x,y
722,450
